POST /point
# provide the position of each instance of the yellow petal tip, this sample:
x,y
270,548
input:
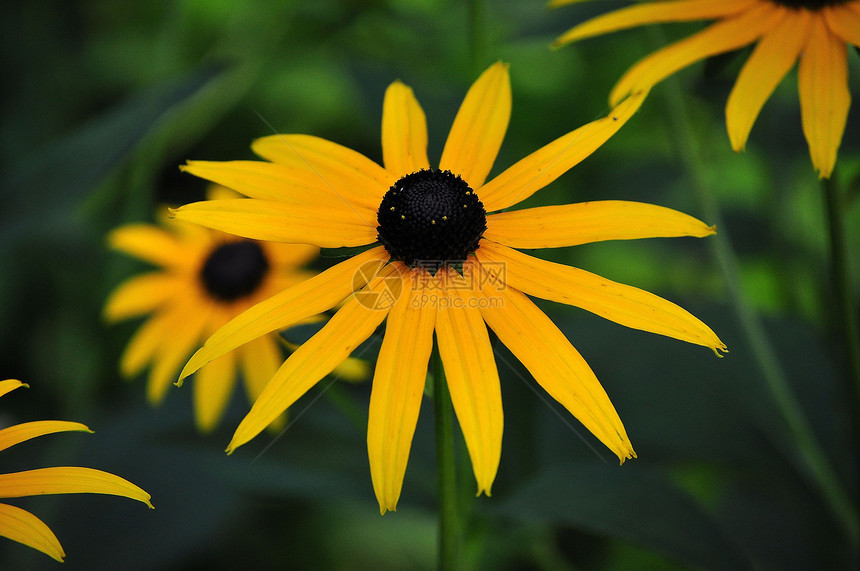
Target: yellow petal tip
x,y
171,212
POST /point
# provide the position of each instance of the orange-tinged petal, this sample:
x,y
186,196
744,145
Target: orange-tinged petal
x,y
650,13
280,222
344,170
68,480
151,244
18,433
772,58
473,379
212,387
844,22
723,36
585,222
404,131
301,301
824,96
318,356
22,526
623,304
398,386
260,359
141,294
9,385
479,127
548,163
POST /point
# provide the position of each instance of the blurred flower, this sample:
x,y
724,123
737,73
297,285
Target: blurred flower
x,y
815,32
432,223
205,279
22,526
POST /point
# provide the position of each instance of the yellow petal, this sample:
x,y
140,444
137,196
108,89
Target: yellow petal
x,y
183,337
212,387
404,132
772,58
68,480
145,342
301,301
559,368
623,304
18,433
346,330
289,254
9,385
281,183
585,222
260,359
281,222
479,127
344,170
473,379
353,370
151,244
723,36
548,163
23,527
140,295
651,13
824,97
844,22
398,386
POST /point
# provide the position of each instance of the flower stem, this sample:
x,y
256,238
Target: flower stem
x,y
449,517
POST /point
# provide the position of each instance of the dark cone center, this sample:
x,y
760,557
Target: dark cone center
x,y
234,270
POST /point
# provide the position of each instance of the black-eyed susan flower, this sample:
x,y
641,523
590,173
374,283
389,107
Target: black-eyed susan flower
x,y
22,526
444,266
814,33
205,278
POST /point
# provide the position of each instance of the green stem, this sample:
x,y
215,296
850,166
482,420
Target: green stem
x,y
449,517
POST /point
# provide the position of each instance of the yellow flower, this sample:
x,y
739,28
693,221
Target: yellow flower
x,y
815,32
22,526
427,220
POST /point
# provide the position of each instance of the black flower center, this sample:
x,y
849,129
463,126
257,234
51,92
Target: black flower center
x,y
234,270
808,4
430,218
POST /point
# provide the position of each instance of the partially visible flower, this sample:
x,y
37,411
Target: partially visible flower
x,y
205,278
22,526
813,32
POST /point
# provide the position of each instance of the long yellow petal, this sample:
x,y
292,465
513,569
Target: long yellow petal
x,y
623,304
319,355
723,36
260,359
585,222
144,344
398,386
280,222
301,301
824,96
212,387
68,480
404,132
559,368
650,13
473,379
149,243
22,526
18,433
772,58
844,22
540,168
479,127
9,385
183,337
140,295
281,183
344,170
289,254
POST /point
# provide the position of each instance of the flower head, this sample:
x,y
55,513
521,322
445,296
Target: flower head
x,y
446,265
22,526
813,32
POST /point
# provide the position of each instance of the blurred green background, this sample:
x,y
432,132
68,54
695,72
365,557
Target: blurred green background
x,y
103,100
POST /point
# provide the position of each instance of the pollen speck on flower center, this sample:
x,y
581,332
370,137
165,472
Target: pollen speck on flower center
x,y
234,270
430,216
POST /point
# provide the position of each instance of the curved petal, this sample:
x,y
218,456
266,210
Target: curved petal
x,y
9,385
548,163
68,480
147,340
473,379
723,36
22,526
559,368
319,355
772,58
623,304
824,96
301,301
141,294
479,127
404,132
12,435
586,222
260,359
651,13
212,387
280,222
844,22
344,170
289,255
149,243
180,339
397,389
